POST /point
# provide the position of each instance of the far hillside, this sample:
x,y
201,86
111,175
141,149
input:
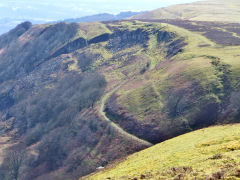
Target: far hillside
x,y
103,17
210,10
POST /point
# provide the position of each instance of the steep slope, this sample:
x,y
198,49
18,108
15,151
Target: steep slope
x,y
78,96
117,128
211,153
194,85
207,10
53,86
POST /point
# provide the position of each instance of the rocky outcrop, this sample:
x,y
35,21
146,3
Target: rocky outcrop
x,y
175,47
102,38
70,47
125,39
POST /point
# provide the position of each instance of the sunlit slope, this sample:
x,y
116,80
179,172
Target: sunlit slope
x,y
210,10
97,92
194,89
211,152
55,61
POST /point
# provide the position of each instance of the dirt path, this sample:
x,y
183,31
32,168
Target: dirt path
x,y
114,125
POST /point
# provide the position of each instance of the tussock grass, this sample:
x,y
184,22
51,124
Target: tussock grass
x,y
202,153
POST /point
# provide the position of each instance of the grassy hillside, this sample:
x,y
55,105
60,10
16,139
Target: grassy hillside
x,y
78,96
211,153
193,89
207,10
53,92
50,92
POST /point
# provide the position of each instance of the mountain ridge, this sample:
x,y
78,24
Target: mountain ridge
x,y
103,17
8,24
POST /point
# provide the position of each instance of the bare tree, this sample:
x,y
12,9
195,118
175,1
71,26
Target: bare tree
x,y
15,163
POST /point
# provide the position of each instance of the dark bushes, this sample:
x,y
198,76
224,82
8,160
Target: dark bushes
x,y
59,105
52,120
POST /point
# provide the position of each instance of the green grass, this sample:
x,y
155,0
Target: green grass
x,y
201,153
193,65
144,97
144,100
91,30
209,152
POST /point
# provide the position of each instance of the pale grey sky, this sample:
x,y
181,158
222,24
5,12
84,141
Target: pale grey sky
x,y
13,12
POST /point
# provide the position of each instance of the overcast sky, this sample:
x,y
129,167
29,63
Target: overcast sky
x,y
62,9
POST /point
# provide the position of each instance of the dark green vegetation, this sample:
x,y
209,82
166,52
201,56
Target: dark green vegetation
x,y
78,96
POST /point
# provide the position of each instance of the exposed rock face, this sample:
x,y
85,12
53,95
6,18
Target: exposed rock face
x,y
164,36
70,47
125,39
102,38
175,47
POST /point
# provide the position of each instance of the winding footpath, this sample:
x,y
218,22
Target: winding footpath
x,y
114,125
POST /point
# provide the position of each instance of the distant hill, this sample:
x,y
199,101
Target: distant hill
x,y
211,10
7,23
104,17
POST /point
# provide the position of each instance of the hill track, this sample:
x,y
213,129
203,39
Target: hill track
x,y
114,125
